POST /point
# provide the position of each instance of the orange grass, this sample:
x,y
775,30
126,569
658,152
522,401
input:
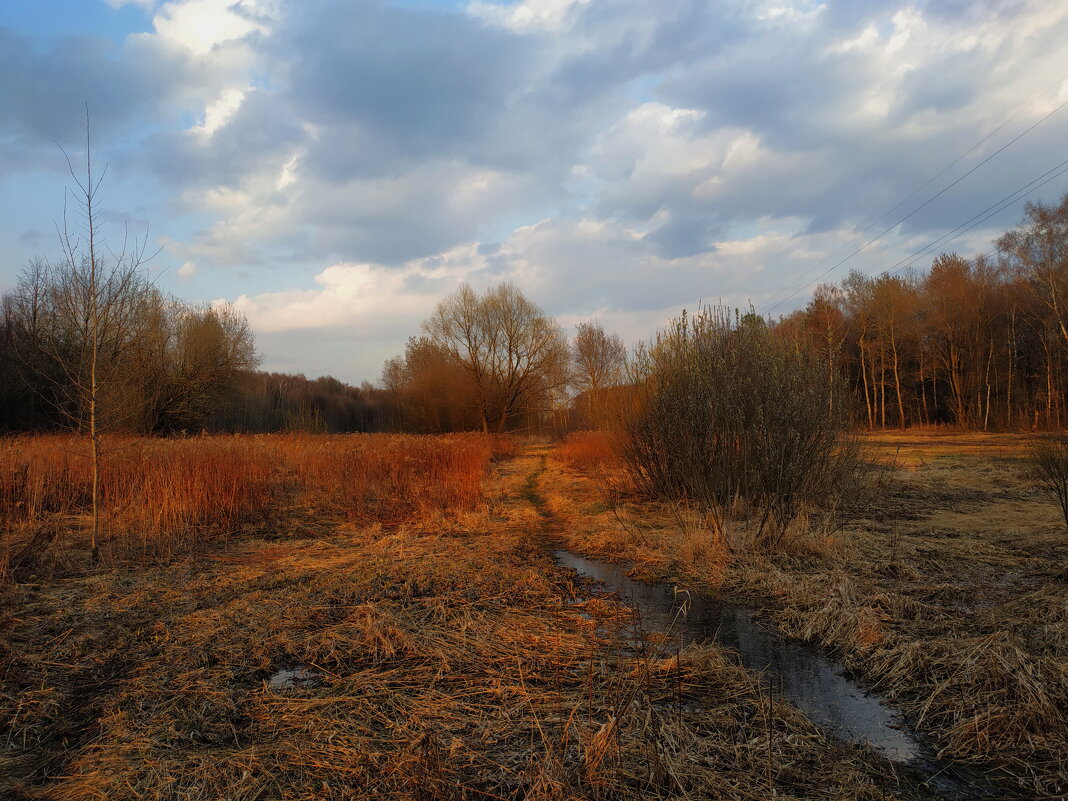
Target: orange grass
x,y
161,493
584,450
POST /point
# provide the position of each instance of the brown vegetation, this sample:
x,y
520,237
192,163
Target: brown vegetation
x,y
329,659
1049,469
948,594
723,412
493,360
976,343
586,450
162,497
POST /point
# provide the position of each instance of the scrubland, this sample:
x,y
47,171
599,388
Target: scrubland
x,y
947,593
370,617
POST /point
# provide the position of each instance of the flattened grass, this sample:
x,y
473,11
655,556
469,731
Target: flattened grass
x,y
442,658
949,596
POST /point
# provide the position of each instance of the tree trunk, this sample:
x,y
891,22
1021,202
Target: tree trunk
x,y
864,375
923,392
897,383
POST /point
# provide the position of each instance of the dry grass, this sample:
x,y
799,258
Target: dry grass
x,y
445,658
586,450
949,595
162,497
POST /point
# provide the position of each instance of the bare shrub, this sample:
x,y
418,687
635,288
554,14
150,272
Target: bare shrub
x,y
1048,459
723,412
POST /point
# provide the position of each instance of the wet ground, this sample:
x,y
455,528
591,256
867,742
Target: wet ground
x,y
806,676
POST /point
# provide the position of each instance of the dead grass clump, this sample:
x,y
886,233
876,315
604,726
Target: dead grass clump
x,y
841,615
991,700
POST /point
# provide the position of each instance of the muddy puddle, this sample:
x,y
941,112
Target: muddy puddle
x,y
805,676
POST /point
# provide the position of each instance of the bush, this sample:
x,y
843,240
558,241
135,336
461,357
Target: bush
x,y
723,411
1049,468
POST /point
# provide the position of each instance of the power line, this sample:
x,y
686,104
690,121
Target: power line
x,y
978,219
929,181
911,213
982,217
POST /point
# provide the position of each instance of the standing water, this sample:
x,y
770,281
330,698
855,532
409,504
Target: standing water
x,y
808,678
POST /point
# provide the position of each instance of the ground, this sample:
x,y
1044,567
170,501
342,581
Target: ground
x,y
948,594
450,657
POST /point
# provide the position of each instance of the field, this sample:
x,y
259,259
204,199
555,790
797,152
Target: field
x,y
379,616
948,594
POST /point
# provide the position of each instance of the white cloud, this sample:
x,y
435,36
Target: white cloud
x,y
363,297
527,16
202,25
220,112
187,271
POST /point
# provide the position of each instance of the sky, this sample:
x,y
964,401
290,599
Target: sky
x,y
334,168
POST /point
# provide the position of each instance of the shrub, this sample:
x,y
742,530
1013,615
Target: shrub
x,y
1048,458
722,410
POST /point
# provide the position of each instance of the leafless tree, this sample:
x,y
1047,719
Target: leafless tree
x,y
1048,459
513,354
86,312
1038,248
599,363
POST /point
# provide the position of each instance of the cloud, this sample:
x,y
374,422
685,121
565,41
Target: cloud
x,y
613,157
187,271
202,25
527,16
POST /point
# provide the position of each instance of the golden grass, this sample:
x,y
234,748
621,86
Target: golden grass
x,y
586,450
444,658
950,595
161,496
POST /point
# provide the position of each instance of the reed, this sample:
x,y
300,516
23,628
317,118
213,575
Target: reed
x,y
165,495
586,450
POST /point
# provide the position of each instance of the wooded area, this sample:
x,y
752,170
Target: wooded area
x,y
978,343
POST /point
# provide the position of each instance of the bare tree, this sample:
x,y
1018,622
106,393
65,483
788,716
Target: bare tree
x,y
1038,248
85,312
514,355
200,352
1048,467
599,363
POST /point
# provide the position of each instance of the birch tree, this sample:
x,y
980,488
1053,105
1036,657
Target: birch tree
x,y
88,313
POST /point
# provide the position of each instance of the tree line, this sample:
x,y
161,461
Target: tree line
x,y
979,343
165,367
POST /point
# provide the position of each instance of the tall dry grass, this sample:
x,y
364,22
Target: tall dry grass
x,y
586,450
163,495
